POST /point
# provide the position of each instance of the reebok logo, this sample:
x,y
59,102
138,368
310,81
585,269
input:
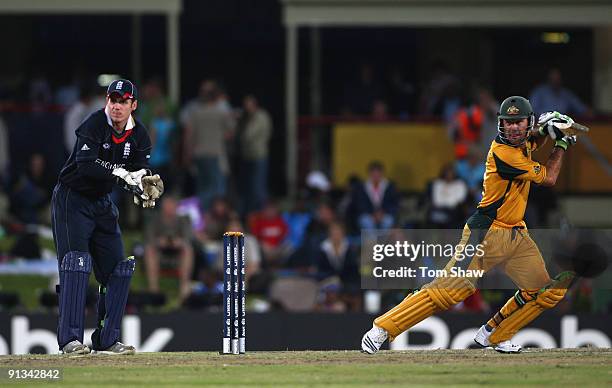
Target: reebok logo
x,y
81,264
85,148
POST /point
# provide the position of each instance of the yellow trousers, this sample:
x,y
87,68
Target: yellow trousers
x,y
512,249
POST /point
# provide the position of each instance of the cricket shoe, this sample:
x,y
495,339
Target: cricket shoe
x,y
482,336
75,347
373,340
117,349
507,347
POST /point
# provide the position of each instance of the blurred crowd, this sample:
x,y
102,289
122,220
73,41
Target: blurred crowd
x,y
302,253
442,94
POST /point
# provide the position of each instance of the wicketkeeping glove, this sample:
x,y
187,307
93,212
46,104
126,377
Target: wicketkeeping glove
x,y
554,124
139,201
153,188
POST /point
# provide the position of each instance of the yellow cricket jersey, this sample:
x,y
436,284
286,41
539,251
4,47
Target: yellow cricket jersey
x,y
508,174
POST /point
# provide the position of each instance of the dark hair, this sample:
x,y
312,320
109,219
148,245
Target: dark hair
x,y
376,165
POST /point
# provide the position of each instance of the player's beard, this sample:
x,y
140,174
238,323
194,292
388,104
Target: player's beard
x,y
516,137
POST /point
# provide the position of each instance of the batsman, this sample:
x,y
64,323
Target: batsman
x,y
498,224
111,148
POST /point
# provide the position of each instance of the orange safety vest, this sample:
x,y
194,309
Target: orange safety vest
x,y
469,124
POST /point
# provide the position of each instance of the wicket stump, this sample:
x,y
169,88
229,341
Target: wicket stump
x,y
234,294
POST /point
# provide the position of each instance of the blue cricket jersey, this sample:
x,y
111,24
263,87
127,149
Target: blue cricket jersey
x,y
99,149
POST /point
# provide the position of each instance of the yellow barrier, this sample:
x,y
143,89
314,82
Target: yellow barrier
x,y
412,153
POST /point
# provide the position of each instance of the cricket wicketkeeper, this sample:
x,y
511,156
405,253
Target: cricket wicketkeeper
x,y
112,147
499,219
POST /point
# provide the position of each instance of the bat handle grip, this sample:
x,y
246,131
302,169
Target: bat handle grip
x,y
580,127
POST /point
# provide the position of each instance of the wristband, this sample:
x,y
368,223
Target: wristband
x,y
561,144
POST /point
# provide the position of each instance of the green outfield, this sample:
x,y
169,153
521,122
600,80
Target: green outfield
x,y
574,367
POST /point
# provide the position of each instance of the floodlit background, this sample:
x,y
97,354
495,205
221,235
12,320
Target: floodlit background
x,y
317,98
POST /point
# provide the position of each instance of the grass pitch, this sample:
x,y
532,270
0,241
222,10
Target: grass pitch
x,y
563,367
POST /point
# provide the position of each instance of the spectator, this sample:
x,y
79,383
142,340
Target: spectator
x,y
488,106
318,186
471,170
347,208
4,153
465,129
255,130
223,101
447,194
207,129
440,93
376,200
186,175
329,298
31,191
474,124
204,254
40,92
359,96
232,146
205,87
217,219
252,250
271,231
336,257
158,113
87,103
380,111
303,258
297,220
152,97
402,93
553,96
168,238
69,93
191,207
318,228
162,130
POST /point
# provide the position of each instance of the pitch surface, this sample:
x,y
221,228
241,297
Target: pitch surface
x,y
566,367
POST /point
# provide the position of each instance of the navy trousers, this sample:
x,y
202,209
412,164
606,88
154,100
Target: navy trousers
x,y
87,225
87,235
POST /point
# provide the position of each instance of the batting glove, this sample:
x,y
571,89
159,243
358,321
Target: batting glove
x,y
566,141
128,181
125,175
552,124
132,181
137,176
